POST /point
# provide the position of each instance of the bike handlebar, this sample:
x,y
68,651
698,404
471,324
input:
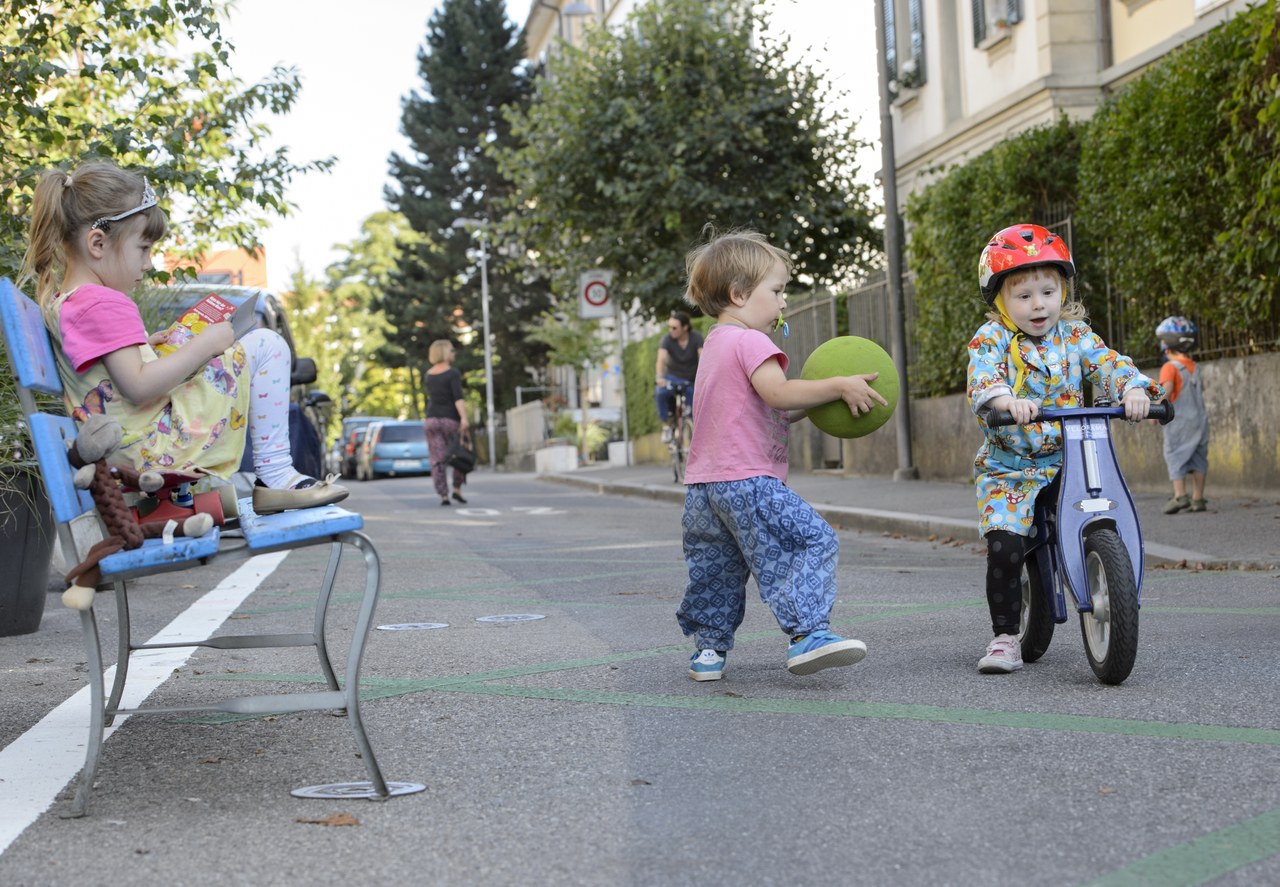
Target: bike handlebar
x,y
1162,412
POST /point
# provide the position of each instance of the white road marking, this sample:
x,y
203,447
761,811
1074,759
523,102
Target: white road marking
x,y
37,765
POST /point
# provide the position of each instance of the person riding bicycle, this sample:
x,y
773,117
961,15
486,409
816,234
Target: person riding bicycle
x,y
677,364
1035,351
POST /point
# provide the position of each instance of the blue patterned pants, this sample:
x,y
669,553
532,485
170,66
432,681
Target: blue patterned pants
x,y
757,527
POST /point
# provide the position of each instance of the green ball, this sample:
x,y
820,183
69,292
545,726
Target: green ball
x,y
852,356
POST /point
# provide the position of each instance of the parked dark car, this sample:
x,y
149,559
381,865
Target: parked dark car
x,y
392,449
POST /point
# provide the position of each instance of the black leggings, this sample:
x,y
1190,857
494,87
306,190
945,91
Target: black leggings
x,y
1005,552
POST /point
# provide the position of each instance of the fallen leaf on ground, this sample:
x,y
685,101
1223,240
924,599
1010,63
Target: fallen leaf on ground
x,y
334,820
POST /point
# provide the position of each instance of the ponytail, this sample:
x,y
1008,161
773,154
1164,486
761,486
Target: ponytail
x,y
46,243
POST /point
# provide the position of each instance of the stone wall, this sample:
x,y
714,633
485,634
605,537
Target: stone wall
x,y
1241,395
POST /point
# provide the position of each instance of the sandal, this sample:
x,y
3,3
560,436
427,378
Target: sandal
x,y
1198,505
458,495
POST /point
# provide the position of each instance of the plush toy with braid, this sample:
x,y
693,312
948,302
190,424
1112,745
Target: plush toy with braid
x,y
98,437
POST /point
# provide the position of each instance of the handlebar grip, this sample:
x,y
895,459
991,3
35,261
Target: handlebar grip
x,y
1162,412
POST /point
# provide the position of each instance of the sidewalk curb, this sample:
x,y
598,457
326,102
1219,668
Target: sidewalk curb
x,y
915,526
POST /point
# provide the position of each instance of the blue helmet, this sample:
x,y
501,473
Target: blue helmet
x,y
1177,333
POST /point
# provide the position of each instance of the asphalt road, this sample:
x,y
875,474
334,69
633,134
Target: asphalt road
x,y
573,749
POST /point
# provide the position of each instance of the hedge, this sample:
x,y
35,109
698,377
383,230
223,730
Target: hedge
x,y
1174,190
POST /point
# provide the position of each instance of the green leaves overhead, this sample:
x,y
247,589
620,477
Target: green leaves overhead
x,y
686,116
147,83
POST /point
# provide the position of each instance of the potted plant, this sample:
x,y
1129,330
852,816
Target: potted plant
x,y
26,523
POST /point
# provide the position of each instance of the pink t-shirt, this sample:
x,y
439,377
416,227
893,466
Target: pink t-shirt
x,y
736,435
85,335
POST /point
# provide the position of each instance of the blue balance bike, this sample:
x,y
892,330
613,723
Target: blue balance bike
x,y
1086,543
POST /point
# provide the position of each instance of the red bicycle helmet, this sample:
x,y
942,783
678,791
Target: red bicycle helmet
x,y
1017,247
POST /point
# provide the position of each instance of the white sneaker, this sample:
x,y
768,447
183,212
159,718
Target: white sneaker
x,y
1004,654
666,434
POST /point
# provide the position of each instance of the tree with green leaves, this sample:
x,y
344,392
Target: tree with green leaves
x,y
147,83
690,115
472,67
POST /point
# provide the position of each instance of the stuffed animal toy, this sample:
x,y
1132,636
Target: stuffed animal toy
x,y
98,437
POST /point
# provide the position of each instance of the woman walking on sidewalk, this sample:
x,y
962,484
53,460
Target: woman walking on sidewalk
x,y
446,417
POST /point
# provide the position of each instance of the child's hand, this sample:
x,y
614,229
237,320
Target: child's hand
x,y
1023,411
159,337
1136,404
217,337
857,392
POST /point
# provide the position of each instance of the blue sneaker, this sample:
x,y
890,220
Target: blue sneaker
x,y
707,665
822,649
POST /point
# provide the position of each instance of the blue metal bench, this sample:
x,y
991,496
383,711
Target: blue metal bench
x,y
32,362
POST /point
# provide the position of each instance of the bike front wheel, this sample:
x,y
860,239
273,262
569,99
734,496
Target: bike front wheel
x,y
680,439
1035,628
1111,630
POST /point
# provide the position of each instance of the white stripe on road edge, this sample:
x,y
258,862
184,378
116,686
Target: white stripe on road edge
x,y
37,765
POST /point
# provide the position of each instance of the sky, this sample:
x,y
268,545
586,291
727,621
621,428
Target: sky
x,y
358,60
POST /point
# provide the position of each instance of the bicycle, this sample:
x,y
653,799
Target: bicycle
x,y
1086,541
681,429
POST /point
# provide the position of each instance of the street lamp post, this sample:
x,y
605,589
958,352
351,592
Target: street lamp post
x,y
476,226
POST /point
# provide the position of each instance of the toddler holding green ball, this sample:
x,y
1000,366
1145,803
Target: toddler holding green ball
x,y
740,517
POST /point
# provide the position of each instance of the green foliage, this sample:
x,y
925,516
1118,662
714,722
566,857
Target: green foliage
x,y
1152,184
147,83
472,65
689,115
1250,243
951,221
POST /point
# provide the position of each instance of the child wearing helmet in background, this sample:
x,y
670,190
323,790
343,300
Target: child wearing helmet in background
x,y
1186,438
1035,351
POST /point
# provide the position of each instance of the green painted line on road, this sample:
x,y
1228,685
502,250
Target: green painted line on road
x,y
480,684
1203,859
890,711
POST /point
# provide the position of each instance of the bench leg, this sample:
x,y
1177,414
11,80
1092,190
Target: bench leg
x,y
93,748
124,647
373,580
322,612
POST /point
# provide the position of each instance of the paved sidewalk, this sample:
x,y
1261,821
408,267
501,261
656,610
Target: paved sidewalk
x,y
1234,533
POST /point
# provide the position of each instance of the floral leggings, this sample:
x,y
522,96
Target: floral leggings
x,y
441,433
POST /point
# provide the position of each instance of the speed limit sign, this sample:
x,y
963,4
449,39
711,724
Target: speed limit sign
x,y
593,294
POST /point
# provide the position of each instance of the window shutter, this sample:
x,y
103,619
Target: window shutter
x,y
890,39
979,8
916,9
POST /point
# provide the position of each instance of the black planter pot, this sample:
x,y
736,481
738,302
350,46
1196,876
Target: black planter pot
x,y
26,544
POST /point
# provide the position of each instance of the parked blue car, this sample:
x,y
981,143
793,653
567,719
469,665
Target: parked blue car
x,y
392,449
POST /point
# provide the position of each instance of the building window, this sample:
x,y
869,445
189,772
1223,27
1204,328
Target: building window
x,y
994,18
904,50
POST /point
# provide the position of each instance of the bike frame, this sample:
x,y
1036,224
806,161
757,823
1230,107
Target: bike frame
x,y
1091,493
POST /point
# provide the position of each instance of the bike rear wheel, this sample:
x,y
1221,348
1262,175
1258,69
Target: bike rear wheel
x,y
1111,631
1035,628
680,438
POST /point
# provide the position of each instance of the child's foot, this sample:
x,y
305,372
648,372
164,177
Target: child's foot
x,y
1198,505
822,649
1004,654
304,492
707,665
1177,503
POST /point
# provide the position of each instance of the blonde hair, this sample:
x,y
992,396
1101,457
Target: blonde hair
x,y
439,348
1072,308
727,263
65,204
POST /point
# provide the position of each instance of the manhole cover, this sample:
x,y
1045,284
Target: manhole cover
x,y
342,790
413,626
512,617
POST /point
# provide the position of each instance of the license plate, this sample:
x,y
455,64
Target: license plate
x,y
405,464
